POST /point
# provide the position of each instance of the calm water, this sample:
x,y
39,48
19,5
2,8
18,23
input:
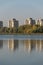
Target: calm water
x,y
21,50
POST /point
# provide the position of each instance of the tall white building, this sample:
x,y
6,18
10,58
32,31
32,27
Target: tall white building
x,y
30,21
13,23
39,22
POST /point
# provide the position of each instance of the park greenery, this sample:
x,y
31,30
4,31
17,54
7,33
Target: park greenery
x,y
23,29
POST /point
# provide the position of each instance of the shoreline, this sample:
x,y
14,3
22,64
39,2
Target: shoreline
x,y
21,34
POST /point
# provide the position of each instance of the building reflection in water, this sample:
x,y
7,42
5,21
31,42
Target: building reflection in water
x,y
31,45
28,45
39,45
13,44
1,44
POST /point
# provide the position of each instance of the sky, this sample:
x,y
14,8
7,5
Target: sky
x,y
20,9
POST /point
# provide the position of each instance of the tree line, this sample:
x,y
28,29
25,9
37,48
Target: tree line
x,y
23,29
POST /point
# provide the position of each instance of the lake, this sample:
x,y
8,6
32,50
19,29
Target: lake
x,y
21,49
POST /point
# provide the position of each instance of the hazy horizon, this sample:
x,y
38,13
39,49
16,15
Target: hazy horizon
x,y
20,9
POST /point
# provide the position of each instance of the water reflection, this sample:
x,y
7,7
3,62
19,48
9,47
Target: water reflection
x,y
13,44
31,45
27,45
1,44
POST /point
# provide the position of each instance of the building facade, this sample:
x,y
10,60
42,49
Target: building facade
x,y
1,23
39,22
30,21
13,23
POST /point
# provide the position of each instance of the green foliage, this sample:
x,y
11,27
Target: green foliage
x,y
24,29
7,30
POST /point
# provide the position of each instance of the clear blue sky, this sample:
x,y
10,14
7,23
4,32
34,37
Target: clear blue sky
x,y
21,9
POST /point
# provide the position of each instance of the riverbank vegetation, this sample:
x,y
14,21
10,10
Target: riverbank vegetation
x,y
24,29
